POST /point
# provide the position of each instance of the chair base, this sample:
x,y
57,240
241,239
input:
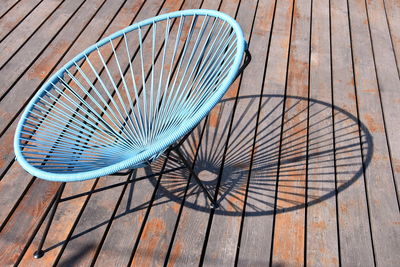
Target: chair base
x,y
213,203
40,252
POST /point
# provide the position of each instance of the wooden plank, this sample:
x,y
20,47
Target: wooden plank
x,y
9,192
20,226
25,30
383,206
65,216
354,229
80,249
12,71
289,229
257,226
392,10
322,236
6,6
26,55
222,245
6,145
388,81
123,233
16,15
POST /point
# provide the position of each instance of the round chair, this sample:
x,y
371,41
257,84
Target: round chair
x,y
130,98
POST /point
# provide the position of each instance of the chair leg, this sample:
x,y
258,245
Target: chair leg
x,y
189,166
39,252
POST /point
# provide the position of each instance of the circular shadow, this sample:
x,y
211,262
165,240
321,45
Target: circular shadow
x,y
290,158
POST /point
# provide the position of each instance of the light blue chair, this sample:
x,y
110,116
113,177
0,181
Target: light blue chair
x,y
130,98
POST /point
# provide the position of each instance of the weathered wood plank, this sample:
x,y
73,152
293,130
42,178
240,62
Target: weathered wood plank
x,y
255,246
388,81
20,226
65,216
26,55
354,229
88,232
6,6
16,15
12,187
239,146
124,229
383,206
289,229
322,236
392,9
25,30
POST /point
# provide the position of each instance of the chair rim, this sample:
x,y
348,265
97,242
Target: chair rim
x,y
157,146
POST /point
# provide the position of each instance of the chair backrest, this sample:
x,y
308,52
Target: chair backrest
x,y
129,96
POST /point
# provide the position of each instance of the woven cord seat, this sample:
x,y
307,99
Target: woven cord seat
x,y
129,98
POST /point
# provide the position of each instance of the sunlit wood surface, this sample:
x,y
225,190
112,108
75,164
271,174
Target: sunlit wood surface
x,y
303,151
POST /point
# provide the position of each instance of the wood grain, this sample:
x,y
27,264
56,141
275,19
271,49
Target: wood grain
x,y
15,16
325,85
322,237
383,206
239,151
392,9
388,81
255,246
25,30
289,231
6,6
354,226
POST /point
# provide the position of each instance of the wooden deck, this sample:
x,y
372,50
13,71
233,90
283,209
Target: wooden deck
x,y
303,151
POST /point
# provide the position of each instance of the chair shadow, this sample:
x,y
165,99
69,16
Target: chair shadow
x,y
234,179
322,153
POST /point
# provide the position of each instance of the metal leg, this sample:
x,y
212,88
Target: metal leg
x,y
189,166
39,252
246,62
